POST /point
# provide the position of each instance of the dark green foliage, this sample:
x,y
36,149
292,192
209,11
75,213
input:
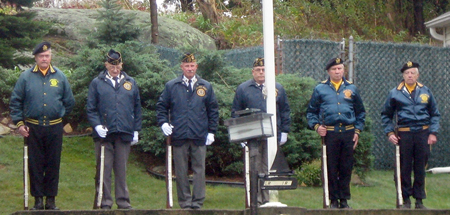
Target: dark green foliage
x,y
19,33
310,174
7,83
113,25
363,153
303,145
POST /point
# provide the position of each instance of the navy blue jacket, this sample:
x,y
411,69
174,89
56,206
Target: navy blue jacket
x,y
41,98
118,108
413,113
193,114
248,95
336,108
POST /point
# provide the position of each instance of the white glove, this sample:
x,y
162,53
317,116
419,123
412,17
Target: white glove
x,y
135,138
283,138
101,131
209,139
167,129
243,144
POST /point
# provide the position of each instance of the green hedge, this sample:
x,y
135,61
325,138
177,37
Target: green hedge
x,y
151,73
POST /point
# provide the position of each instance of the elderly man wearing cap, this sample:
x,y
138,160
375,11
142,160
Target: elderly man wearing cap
x,y
188,111
41,97
336,112
417,117
114,111
252,94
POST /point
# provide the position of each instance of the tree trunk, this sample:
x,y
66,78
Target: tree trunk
x,y
187,5
154,21
208,9
419,26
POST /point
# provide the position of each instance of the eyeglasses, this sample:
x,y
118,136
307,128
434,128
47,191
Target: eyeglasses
x,y
259,70
112,67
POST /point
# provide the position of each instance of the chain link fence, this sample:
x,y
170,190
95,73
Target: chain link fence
x,y
376,71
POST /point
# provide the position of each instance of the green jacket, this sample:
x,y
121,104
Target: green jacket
x,y
41,100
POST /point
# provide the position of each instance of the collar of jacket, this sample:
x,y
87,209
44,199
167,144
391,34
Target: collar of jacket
x,y
103,74
51,69
253,83
344,81
402,84
180,79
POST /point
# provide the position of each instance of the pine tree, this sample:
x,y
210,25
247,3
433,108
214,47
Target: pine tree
x,y
18,32
114,26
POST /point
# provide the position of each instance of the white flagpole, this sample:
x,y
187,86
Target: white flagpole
x,y
269,66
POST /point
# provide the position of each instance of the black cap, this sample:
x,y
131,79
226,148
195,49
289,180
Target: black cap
x,y
113,57
188,58
258,62
333,62
41,47
409,65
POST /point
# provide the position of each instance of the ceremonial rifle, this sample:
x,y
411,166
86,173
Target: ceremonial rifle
x,y
398,182
25,173
169,202
326,194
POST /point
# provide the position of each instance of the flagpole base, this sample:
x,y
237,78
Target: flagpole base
x,y
273,205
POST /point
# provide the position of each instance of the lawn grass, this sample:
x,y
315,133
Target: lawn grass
x,y
76,188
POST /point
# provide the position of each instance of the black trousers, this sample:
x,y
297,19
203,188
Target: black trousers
x,y
414,153
44,154
340,163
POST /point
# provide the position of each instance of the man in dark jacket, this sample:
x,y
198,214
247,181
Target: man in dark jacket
x,y
42,96
114,111
188,110
336,112
417,115
252,94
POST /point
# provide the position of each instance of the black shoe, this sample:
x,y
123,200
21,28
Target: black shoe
x,y
419,204
106,207
38,204
343,204
50,203
195,207
406,204
334,204
125,208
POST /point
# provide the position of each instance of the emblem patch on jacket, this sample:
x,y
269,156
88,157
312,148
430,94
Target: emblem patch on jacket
x,y
127,85
424,98
201,91
348,94
53,82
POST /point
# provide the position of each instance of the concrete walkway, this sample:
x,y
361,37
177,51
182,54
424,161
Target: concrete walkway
x,y
261,211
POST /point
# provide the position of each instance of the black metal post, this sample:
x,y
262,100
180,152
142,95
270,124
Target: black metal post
x,y
253,147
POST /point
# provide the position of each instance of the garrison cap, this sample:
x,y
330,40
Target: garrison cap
x,y
333,62
41,47
188,58
113,57
258,62
409,65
